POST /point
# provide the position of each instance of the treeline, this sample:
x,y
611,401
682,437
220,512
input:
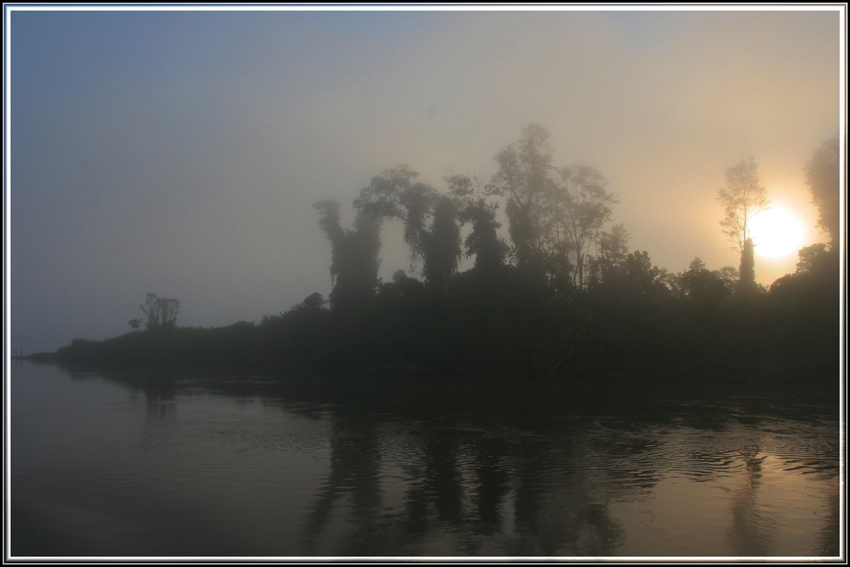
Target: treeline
x,y
561,295
510,324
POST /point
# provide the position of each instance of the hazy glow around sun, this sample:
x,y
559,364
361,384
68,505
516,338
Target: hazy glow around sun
x,y
776,233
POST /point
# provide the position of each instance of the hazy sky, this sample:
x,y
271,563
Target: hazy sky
x,y
180,152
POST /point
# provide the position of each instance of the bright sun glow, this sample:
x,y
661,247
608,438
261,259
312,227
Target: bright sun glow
x,y
776,233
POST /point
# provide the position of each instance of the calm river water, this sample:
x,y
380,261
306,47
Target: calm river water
x,y
152,464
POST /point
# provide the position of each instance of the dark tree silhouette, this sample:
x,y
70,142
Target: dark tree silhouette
x,y
441,245
430,220
822,177
812,259
383,195
614,245
313,301
813,290
393,195
552,222
483,241
611,260
747,274
416,203
742,199
161,312
641,274
562,303
730,277
524,178
703,287
580,207
330,223
354,264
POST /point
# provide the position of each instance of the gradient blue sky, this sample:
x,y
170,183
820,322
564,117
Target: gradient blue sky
x,y
180,152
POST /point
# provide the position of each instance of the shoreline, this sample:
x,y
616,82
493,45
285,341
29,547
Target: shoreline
x,y
682,372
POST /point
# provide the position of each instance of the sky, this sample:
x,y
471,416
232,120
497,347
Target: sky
x,y
179,152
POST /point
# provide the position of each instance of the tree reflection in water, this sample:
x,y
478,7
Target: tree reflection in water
x,y
160,398
560,509
467,493
752,528
493,484
439,485
354,471
416,472
159,390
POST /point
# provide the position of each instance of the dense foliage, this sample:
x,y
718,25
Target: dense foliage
x,y
564,295
509,323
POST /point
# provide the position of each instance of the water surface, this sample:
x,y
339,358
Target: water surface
x,y
124,464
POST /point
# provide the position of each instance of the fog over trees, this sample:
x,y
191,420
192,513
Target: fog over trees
x,y
557,291
161,312
144,163
823,179
743,198
354,253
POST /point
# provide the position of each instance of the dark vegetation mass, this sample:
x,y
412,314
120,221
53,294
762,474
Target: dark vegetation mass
x,y
560,295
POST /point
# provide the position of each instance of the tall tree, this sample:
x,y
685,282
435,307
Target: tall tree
x,y
580,207
330,223
742,199
823,178
430,220
747,272
161,312
354,255
483,241
441,245
613,249
393,194
523,179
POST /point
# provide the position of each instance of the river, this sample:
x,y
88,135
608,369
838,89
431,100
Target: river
x,y
176,464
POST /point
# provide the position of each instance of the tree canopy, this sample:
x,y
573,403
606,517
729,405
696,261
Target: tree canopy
x,y
161,312
743,198
568,291
823,178
524,179
354,255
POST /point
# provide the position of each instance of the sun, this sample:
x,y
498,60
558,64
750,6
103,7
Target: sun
x,y
776,233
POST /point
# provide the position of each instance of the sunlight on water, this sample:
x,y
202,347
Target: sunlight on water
x,y
135,465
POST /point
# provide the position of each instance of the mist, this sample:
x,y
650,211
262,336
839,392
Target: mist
x,y
180,152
